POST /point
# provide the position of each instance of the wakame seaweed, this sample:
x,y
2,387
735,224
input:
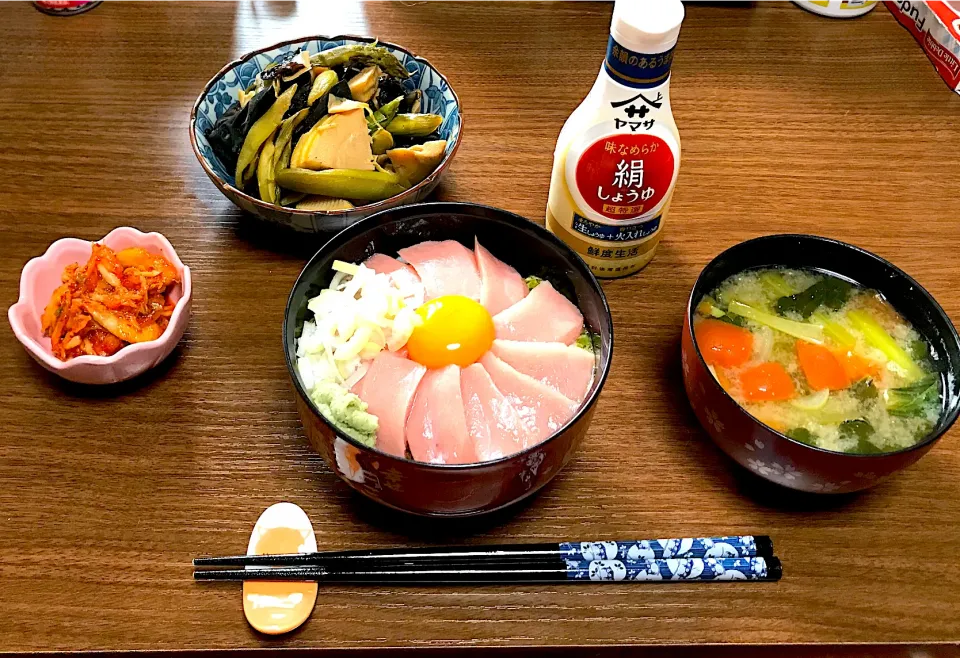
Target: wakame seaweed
x,y
299,101
829,291
227,134
317,111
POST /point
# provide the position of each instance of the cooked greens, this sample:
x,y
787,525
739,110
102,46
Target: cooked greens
x,y
337,125
913,400
828,291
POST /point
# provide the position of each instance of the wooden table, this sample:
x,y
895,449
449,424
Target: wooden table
x,y
790,122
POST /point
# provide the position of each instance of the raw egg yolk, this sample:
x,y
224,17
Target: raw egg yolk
x,y
455,330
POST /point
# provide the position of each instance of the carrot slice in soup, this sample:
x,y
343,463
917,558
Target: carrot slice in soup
x,y
821,367
855,367
767,381
723,344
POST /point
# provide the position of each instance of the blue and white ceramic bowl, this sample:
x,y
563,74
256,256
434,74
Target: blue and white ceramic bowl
x,y
223,90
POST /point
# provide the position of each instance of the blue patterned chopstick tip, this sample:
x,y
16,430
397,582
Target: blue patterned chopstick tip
x,y
695,569
655,549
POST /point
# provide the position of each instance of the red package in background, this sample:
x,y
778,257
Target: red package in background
x,y
936,27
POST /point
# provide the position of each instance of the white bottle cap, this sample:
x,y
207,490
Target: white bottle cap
x,y
647,26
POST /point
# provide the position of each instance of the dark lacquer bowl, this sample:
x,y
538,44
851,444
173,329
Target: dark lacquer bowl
x,y
437,489
771,454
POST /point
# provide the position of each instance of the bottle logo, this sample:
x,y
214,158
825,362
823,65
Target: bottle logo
x,y
622,177
638,70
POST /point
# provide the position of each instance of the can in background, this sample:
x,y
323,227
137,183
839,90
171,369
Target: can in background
x,y
837,8
65,7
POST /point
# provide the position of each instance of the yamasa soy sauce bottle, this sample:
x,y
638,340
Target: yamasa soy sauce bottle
x,y
618,154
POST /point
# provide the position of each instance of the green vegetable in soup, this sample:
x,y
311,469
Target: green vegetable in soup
x,y
809,332
864,390
773,281
860,430
876,336
919,351
828,291
834,330
533,281
710,308
914,400
365,54
803,435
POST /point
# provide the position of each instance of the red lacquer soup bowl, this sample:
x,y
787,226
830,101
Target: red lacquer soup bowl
x,y
773,455
441,489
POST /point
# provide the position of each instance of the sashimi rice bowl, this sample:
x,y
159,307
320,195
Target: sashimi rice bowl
x,y
446,347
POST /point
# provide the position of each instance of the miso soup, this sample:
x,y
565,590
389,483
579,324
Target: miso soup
x,y
820,359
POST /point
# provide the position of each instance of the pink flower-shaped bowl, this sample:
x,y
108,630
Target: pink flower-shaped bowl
x,y
42,275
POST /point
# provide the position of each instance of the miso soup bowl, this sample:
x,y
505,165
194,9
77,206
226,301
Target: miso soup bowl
x,y
448,489
773,455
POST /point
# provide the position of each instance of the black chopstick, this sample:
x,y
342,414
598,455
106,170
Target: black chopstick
x,y
703,547
562,571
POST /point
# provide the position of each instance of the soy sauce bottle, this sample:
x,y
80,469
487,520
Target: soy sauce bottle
x,y
618,154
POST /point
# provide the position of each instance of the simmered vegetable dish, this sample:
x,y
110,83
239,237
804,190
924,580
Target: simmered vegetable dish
x,y
824,361
329,131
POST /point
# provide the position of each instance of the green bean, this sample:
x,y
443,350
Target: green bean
x,y
283,143
380,141
324,83
363,54
343,183
259,133
292,198
265,177
414,125
384,115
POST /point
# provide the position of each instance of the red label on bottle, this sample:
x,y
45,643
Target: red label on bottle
x,y
61,4
625,176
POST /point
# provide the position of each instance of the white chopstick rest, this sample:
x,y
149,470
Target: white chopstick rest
x,y
280,607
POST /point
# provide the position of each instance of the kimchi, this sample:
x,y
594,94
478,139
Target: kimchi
x,y
115,299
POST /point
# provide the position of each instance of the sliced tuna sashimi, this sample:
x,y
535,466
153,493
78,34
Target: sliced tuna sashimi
x,y
401,273
544,315
501,286
388,388
446,268
437,428
565,368
493,423
543,409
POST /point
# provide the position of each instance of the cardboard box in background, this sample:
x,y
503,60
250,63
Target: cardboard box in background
x,y
936,27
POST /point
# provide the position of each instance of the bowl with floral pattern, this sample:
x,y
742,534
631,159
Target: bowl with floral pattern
x,y
42,275
438,97
443,489
771,454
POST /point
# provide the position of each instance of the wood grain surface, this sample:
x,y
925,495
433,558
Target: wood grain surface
x,y
790,122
